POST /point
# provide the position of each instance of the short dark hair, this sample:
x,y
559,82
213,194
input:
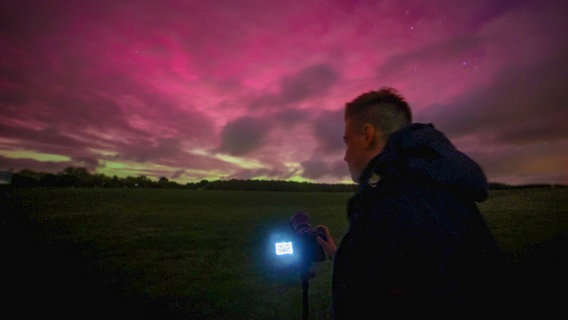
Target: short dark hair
x,y
386,109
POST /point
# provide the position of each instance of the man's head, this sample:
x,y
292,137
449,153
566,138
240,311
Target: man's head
x,y
369,120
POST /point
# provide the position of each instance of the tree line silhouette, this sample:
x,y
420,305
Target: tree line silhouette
x,y
81,177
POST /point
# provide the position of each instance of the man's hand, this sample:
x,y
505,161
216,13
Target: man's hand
x,y
328,245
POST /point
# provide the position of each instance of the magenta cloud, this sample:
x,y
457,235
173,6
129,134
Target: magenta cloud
x,y
194,90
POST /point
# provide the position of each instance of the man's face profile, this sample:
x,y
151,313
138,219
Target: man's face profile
x,y
354,149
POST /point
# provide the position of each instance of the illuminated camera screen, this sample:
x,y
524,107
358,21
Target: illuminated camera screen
x,y
284,248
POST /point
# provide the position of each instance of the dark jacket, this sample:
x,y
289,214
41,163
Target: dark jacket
x,y
416,245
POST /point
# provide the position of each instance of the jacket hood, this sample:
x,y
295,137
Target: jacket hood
x,y
419,151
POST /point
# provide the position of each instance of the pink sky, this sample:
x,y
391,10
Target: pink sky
x,y
194,90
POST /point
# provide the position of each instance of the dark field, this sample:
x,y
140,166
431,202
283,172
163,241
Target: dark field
x,y
172,254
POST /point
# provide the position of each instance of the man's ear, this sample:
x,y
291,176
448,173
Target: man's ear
x,y
369,132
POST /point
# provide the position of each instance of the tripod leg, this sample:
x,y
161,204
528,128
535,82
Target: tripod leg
x,y
306,307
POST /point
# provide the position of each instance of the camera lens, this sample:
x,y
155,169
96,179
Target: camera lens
x,y
302,227
301,224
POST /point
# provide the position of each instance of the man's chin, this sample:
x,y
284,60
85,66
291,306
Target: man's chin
x,y
355,178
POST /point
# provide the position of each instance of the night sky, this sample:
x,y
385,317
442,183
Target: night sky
x,y
194,90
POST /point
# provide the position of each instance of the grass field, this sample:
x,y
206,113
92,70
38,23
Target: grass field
x,y
172,254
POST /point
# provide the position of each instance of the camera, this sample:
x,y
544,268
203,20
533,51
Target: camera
x,y
307,235
291,247
302,249
301,243
290,251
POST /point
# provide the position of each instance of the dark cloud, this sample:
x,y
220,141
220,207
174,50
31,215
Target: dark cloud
x,y
312,81
49,140
146,151
534,163
178,174
158,115
18,164
291,116
517,122
321,169
243,135
328,130
452,51
314,169
91,162
522,104
167,152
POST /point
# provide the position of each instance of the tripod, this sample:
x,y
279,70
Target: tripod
x,y
306,275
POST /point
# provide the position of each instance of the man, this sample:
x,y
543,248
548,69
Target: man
x,y
417,245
